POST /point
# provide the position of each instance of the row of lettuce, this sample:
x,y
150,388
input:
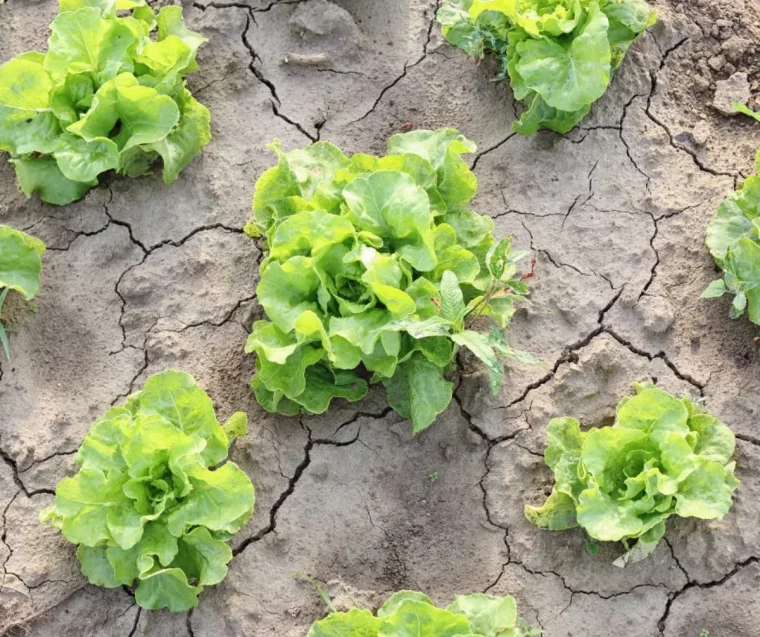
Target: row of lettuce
x,y
110,94
156,498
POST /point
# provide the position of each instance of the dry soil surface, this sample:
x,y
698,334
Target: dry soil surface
x,y
140,277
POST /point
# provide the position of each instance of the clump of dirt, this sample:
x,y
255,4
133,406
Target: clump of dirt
x,y
730,35
323,19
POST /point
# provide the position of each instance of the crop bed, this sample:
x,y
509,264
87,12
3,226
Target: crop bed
x,y
140,277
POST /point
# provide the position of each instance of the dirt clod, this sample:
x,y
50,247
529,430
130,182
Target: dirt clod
x,y
728,92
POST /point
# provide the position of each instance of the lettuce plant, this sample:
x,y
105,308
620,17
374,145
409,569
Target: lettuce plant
x,y
559,55
733,238
408,614
663,456
376,264
154,500
105,96
20,268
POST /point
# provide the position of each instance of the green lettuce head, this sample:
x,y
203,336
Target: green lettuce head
x,y
559,55
662,457
373,265
106,96
154,501
409,614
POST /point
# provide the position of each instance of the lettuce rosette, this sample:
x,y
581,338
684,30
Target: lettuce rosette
x,y
105,96
733,239
559,55
372,267
154,500
663,456
408,613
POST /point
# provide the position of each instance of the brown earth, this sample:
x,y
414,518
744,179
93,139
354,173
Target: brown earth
x,y
140,277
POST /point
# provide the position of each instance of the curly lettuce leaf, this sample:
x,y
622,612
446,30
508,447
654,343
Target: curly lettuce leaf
x,y
303,179
391,206
20,261
443,150
82,160
360,623
27,124
568,77
185,141
25,85
663,456
83,41
154,501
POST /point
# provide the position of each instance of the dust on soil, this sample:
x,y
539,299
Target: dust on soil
x,y
140,277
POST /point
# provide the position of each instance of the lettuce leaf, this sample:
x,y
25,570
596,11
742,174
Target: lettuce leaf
x,y
105,96
559,55
373,267
733,238
20,261
154,501
663,456
20,268
413,614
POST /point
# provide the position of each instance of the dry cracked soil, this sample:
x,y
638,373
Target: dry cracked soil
x,y
140,277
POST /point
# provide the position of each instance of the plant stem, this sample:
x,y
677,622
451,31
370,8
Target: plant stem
x,y
3,334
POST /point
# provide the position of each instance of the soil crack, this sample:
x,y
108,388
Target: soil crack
x,y
276,103
407,67
692,584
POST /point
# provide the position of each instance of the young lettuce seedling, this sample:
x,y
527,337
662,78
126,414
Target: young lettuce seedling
x,y
155,498
733,238
663,456
413,613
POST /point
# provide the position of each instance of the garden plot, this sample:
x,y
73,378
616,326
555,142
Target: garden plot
x,y
140,277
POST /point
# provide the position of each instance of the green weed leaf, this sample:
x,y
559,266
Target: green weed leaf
x,y
452,300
